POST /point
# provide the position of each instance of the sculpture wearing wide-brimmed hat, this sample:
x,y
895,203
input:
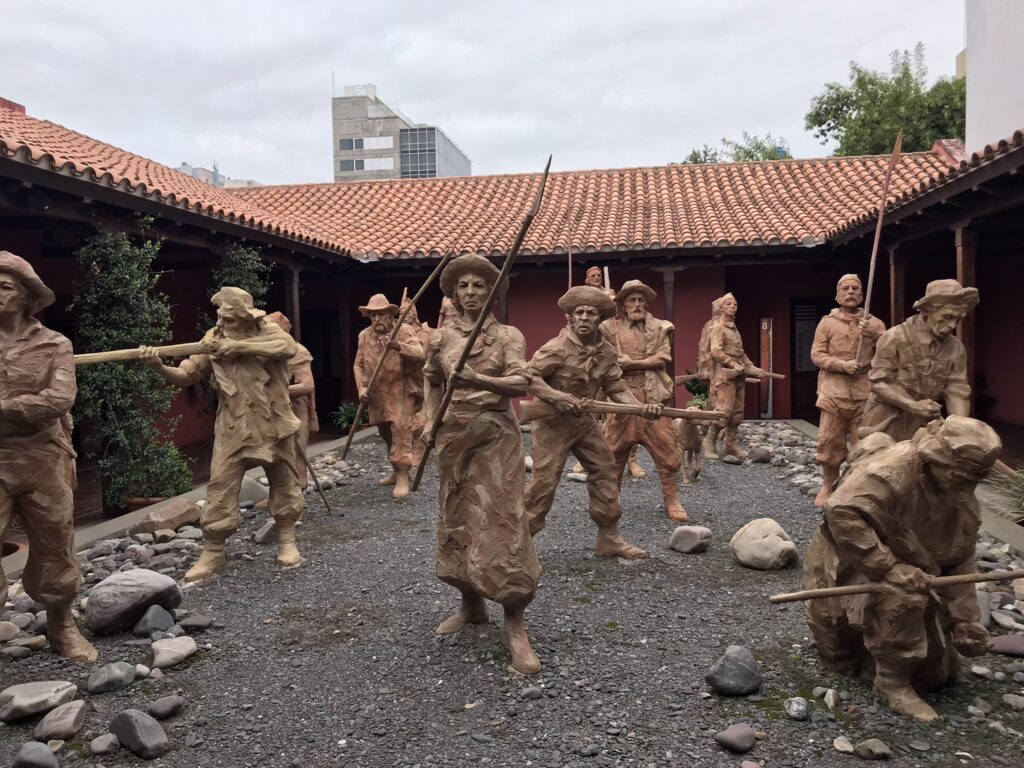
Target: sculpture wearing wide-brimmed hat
x,y
920,366
378,303
37,462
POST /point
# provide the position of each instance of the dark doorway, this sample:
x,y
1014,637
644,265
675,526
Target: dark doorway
x,y
805,314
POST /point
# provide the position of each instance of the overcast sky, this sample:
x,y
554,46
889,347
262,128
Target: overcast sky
x,y
599,84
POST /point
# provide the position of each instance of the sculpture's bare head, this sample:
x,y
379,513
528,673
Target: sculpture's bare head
x,y
14,299
635,306
593,278
942,319
471,292
849,292
585,321
382,320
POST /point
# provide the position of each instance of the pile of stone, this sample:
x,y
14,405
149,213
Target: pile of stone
x,y
332,471
1002,604
783,446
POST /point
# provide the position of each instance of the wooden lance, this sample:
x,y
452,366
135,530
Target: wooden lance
x,y
871,588
531,410
365,398
485,311
121,355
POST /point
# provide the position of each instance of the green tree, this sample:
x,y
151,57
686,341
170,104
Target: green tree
x,y
122,405
705,154
750,148
864,116
242,267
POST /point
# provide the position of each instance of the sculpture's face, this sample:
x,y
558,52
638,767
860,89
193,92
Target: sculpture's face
x,y
943,319
593,279
849,294
471,292
956,475
585,320
232,317
382,321
13,296
635,306
729,308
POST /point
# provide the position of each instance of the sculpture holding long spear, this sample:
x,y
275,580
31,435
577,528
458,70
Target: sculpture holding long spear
x,y
446,399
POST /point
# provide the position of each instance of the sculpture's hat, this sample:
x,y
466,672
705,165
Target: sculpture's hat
x,y
716,305
40,295
590,296
947,291
470,263
378,303
411,317
967,441
236,298
634,286
282,321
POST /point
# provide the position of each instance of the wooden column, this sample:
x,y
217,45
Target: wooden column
x,y
966,252
668,288
897,287
291,303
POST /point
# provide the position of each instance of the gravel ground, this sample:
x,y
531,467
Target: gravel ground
x,y
335,663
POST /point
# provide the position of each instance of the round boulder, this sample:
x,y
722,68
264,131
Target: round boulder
x,y
764,545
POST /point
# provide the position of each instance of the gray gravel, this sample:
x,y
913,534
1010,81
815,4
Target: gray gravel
x,y
335,663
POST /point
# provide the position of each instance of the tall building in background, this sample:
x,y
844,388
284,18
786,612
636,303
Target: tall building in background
x,y
375,141
215,177
995,109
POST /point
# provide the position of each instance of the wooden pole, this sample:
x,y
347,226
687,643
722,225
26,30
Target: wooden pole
x,y
121,355
875,587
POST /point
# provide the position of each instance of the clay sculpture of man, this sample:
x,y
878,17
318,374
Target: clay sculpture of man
x,y
595,280
484,546
843,360
573,366
302,391
37,463
422,332
644,354
730,368
393,404
245,359
919,365
903,513
447,314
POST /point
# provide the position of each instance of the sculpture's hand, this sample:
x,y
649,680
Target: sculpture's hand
x,y
652,410
627,363
149,357
467,378
565,403
926,409
226,349
908,577
364,397
210,347
394,345
971,639
849,367
867,330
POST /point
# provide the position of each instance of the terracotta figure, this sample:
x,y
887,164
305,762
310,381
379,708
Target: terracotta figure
x,y
730,368
919,363
595,280
246,361
302,391
422,332
484,546
448,313
642,344
842,377
577,365
37,462
394,403
903,512
690,438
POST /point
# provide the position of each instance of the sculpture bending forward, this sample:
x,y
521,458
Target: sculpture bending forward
x,y
577,365
643,346
903,512
484,546
920,362
247,364
37,463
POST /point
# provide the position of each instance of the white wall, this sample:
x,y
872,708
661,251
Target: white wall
x,y
995,61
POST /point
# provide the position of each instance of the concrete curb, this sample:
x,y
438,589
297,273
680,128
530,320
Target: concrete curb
x,y
118,526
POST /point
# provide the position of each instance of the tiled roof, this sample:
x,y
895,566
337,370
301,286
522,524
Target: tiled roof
x,y
781,202
40,142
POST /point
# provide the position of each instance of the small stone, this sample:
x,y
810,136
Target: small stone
x,y
15,652
590,750
831,698
142,671
62,722
163,535
578,477
104,745
532,693
111,677
32,643
983,705
140,733
797,708
34,755
1008,645
997,726
528,460
873,749
738,738
690,539
8,631
264,532
736,673
842,744
1014,701
196,623
166,706
170,515
730,459
168,653
919,745
155,619
760,454
979,671
18,701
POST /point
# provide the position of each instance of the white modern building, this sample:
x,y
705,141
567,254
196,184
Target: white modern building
x,y
995,95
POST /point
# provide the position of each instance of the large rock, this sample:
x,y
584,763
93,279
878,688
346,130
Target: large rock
x,y
174,514
690,539
104,744
62,722
873,749
762,544
738,738
166,706
1008,645
172,651
737,673
28,699
140,733
111,677
8,630
120,600
35,755
759,454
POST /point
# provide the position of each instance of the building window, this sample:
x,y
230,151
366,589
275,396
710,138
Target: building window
x,y
378,163
367,142
352,165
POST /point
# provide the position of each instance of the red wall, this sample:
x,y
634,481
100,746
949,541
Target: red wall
x,y
999,340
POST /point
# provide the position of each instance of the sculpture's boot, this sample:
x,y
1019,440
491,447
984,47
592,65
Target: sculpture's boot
x,y
711,442
210,561
64,637
473,610
829,473
287,551
390,479
611,544
894,688
670,493
732,448
513,636
635,470
401,483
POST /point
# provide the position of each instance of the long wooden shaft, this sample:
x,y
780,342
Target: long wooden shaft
x,y
531,410
485,311
121,355
874,588
320,488
878,232
393,335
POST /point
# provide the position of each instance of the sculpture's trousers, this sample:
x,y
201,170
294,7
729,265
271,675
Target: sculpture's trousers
x,y
220,516
728,396
554,438
37,486
840,418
